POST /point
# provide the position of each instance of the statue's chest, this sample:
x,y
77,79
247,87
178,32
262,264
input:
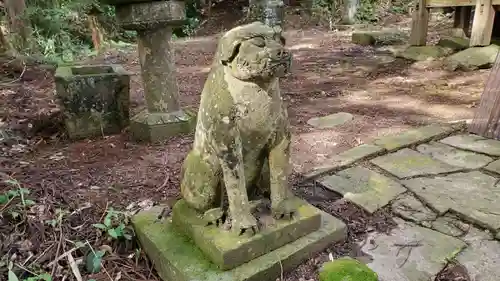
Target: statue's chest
x,y
257,113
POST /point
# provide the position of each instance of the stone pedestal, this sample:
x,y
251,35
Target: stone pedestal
x,y
153,21
94,99
184,250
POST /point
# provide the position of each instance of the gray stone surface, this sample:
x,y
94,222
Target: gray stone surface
x,y
454,156
425,256
474,143
368,189
346,158
481,258
413,136
493,167
410,208
330,121
408,163
379,37
474,195
454,43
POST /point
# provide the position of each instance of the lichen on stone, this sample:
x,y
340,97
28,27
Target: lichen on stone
x,y
346,269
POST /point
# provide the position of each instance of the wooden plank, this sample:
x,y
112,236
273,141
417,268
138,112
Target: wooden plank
x,y
419,24
482,26
461,24
455,3
486,120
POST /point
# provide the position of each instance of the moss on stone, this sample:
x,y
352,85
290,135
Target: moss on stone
x,y
346,269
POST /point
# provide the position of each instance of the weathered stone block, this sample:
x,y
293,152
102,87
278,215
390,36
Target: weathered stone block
x,y
175,257
409,163
368,189
227,250
493,167
474,143
453,156
454,43
422,53
473,58
414,136
94,99
151,14
346,158
481,258
159,126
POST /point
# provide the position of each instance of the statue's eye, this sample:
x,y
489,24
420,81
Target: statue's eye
x,y
259,42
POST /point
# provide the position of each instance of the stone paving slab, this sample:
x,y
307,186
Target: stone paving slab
x,y
454,156
176,258
366,188
347,158
330,121
426,257
474,195
414,136
409,163
481,258
411,209
474,143
493,167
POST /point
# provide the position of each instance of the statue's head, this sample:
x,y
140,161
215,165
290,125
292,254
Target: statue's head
x,y
254,51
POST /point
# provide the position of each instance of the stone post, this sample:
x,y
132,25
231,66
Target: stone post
x,y
154,21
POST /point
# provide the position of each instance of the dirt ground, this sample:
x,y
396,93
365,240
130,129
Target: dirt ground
x,y
88,177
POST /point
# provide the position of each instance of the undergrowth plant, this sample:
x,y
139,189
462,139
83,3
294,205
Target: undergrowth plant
x,y
14,202
116,225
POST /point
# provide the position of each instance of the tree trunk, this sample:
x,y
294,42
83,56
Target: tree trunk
x,y
17,24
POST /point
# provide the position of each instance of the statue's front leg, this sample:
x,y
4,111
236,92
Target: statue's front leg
x,y
231,160
282,203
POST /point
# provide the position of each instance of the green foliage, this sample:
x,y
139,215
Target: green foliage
x,y
116,225
14,202
346,269
11,276
367,11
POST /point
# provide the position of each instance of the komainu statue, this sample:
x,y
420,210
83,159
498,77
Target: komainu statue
x,y
242,140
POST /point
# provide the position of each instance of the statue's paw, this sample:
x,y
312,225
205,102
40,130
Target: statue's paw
x,y
284,209
214,216
242,222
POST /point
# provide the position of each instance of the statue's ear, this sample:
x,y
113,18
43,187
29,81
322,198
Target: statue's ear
x,y
229,51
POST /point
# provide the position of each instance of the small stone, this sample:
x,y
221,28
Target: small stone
x,y
409,163
473,195
413,136
368,189
346,158
410,252
381,37
474,143
423,53
346,269
473,58
453,156
454,43
330,121
410,208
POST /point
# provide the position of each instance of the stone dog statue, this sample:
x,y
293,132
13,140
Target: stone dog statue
x,y
242,139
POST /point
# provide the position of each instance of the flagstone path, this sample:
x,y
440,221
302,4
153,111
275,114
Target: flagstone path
x,y
442,183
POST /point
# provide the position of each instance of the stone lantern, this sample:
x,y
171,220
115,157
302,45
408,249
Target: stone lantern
x,y
154,21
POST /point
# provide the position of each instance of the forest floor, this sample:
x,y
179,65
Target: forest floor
x,y
74,184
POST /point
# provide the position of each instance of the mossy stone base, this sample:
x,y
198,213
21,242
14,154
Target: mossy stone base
x,y
346,269
157,127
228,250
176,258
94,99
